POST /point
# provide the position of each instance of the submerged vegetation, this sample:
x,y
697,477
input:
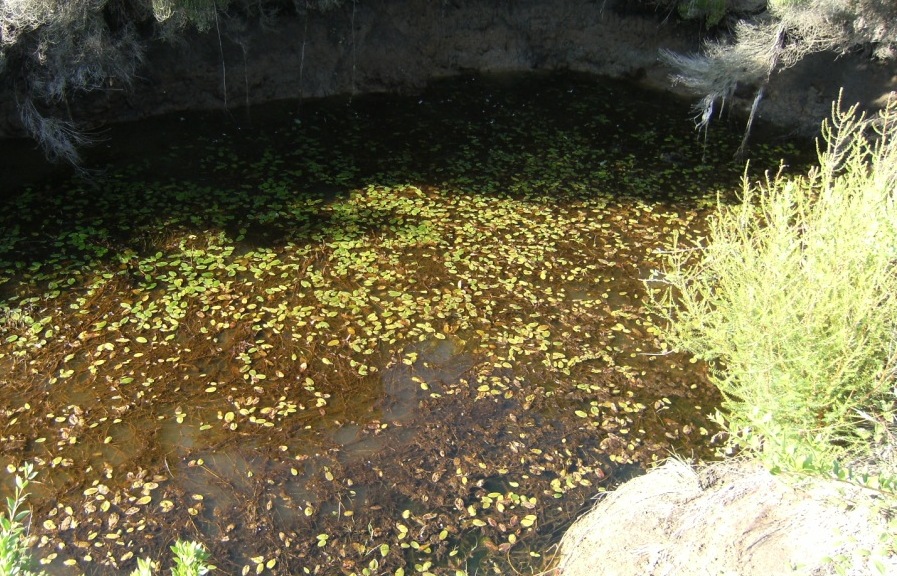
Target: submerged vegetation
x,y
380,336
794,302
15,558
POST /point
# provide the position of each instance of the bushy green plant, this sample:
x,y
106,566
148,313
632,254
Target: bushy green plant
x,y
15,558
793,302
190,559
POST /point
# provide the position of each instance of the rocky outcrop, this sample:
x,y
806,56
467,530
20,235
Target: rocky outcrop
x,y
727,518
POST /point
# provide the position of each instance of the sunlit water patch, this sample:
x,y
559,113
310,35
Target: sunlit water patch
x,y
372,336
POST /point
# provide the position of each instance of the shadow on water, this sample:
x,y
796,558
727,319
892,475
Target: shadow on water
x,y
386,332
197,170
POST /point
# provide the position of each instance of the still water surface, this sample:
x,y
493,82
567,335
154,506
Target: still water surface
x,y
383,335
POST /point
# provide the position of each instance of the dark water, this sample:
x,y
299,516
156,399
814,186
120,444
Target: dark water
x,y
360,336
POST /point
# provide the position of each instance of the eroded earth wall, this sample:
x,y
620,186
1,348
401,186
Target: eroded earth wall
x,y
390,45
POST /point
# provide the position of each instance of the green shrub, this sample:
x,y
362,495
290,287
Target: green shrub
x,y
793,302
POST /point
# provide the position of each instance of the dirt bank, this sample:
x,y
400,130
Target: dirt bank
x,y
398,45
728,518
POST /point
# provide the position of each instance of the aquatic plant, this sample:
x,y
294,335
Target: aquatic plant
x,y
325,346
190,558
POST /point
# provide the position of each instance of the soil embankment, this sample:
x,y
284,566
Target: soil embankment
x,y
399,45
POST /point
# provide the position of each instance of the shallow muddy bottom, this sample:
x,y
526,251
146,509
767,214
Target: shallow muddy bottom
x,y
367,336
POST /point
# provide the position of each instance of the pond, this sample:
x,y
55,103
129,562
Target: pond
x,y
379,335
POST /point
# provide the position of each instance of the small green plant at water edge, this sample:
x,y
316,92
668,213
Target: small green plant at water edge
x,y
793,302
15,558
190,559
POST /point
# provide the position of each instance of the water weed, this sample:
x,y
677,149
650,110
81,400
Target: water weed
x,y
402,330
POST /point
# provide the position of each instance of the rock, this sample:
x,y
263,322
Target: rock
x,y
728,518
